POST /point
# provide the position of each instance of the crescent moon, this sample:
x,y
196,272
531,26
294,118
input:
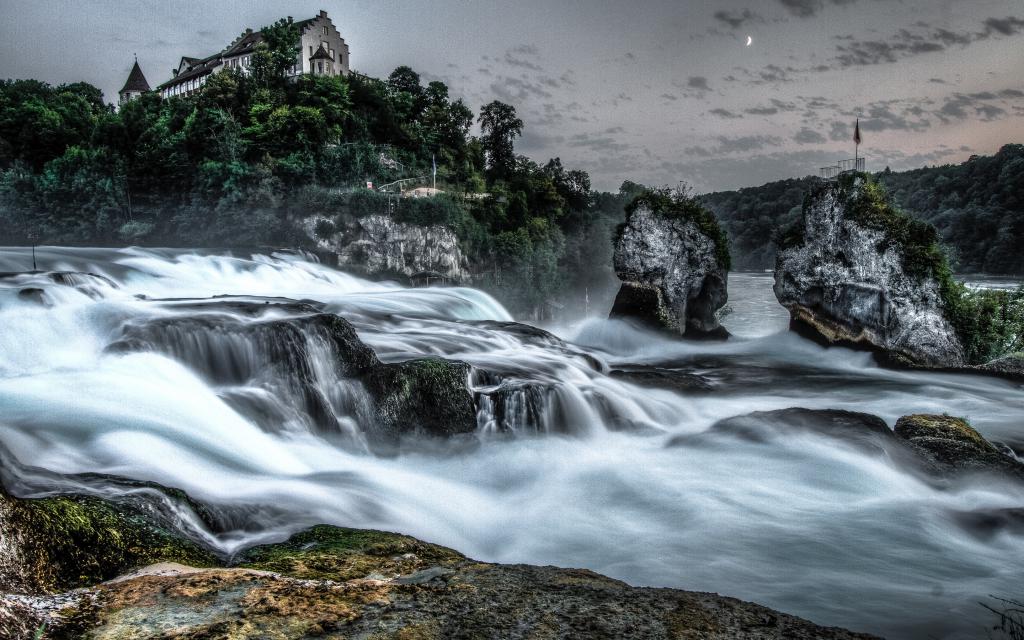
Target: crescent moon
x,y
750,41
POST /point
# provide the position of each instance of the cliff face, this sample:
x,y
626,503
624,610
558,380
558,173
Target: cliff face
x,y
847,284
378,245
671,273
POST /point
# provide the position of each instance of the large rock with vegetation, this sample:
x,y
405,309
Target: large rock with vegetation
x,y
377,245
858,272
673,260
347,583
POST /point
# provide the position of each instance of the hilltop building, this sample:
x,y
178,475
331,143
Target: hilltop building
x,y
320,51
134,86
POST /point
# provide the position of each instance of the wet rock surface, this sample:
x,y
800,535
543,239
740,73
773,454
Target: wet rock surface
x,y
377,245
939,448
672,276
428,396
844,284
952,444
335,582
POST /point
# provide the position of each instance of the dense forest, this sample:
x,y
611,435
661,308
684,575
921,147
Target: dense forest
x,y
241,162
977,207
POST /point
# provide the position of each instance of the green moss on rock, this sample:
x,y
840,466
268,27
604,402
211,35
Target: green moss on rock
x,y
337,553
59,543
955,445
427,396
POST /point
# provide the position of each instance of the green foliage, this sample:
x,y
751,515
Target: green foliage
x,y
990,323
758,219
499,127
240,162
275,54
324,229
977,207
868,205
680,204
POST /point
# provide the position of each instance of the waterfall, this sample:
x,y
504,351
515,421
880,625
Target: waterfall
x,y
244,380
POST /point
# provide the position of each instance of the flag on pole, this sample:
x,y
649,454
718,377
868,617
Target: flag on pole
x,y
856,132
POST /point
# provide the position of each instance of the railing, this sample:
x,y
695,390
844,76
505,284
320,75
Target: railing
x,y
843,166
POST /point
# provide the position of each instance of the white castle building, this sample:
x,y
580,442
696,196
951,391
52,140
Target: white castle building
x,y
320,51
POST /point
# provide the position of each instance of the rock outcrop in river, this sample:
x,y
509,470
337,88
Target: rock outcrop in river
x,y
673,262
314,367
378,246
937,447
323,582
846,279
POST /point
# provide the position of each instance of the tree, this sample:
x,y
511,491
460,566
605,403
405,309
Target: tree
x,y
404,80
276,53
499,128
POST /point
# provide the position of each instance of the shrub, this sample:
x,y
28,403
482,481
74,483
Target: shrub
x,y
324,229
679,204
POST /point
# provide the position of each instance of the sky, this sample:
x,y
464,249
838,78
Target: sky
x,y
654,91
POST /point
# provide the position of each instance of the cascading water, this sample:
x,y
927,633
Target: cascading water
x,y
250,404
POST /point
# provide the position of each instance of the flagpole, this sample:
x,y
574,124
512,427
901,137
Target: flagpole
x,y
856,145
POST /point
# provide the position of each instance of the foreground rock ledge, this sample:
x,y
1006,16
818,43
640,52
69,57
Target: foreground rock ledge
x,y
331,582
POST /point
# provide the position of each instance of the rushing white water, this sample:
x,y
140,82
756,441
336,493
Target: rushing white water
x,y
799,521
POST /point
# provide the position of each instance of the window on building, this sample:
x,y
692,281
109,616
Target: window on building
x,y
325,29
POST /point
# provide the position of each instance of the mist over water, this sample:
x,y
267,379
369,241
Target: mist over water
x,y
593,472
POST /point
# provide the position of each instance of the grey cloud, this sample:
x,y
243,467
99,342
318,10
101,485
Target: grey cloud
x,y
599,143
515,90
923,39
808,136
724,113
802,8
1008,26
698,82
840,131
740,144
960,106
736,19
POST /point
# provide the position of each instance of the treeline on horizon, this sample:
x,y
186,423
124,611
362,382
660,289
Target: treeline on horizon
x,y
977,208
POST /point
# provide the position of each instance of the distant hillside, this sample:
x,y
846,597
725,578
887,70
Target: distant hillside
x,y
977,206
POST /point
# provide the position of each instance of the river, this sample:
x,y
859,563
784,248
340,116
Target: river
x,y
598,477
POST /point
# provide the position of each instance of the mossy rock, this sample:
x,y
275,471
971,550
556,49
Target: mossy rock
x,y
59,543
954,444
332,553
645,304
429,396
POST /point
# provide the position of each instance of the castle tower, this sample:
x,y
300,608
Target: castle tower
x,y
135,86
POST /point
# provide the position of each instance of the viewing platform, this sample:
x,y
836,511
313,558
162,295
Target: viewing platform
x,y
832,172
